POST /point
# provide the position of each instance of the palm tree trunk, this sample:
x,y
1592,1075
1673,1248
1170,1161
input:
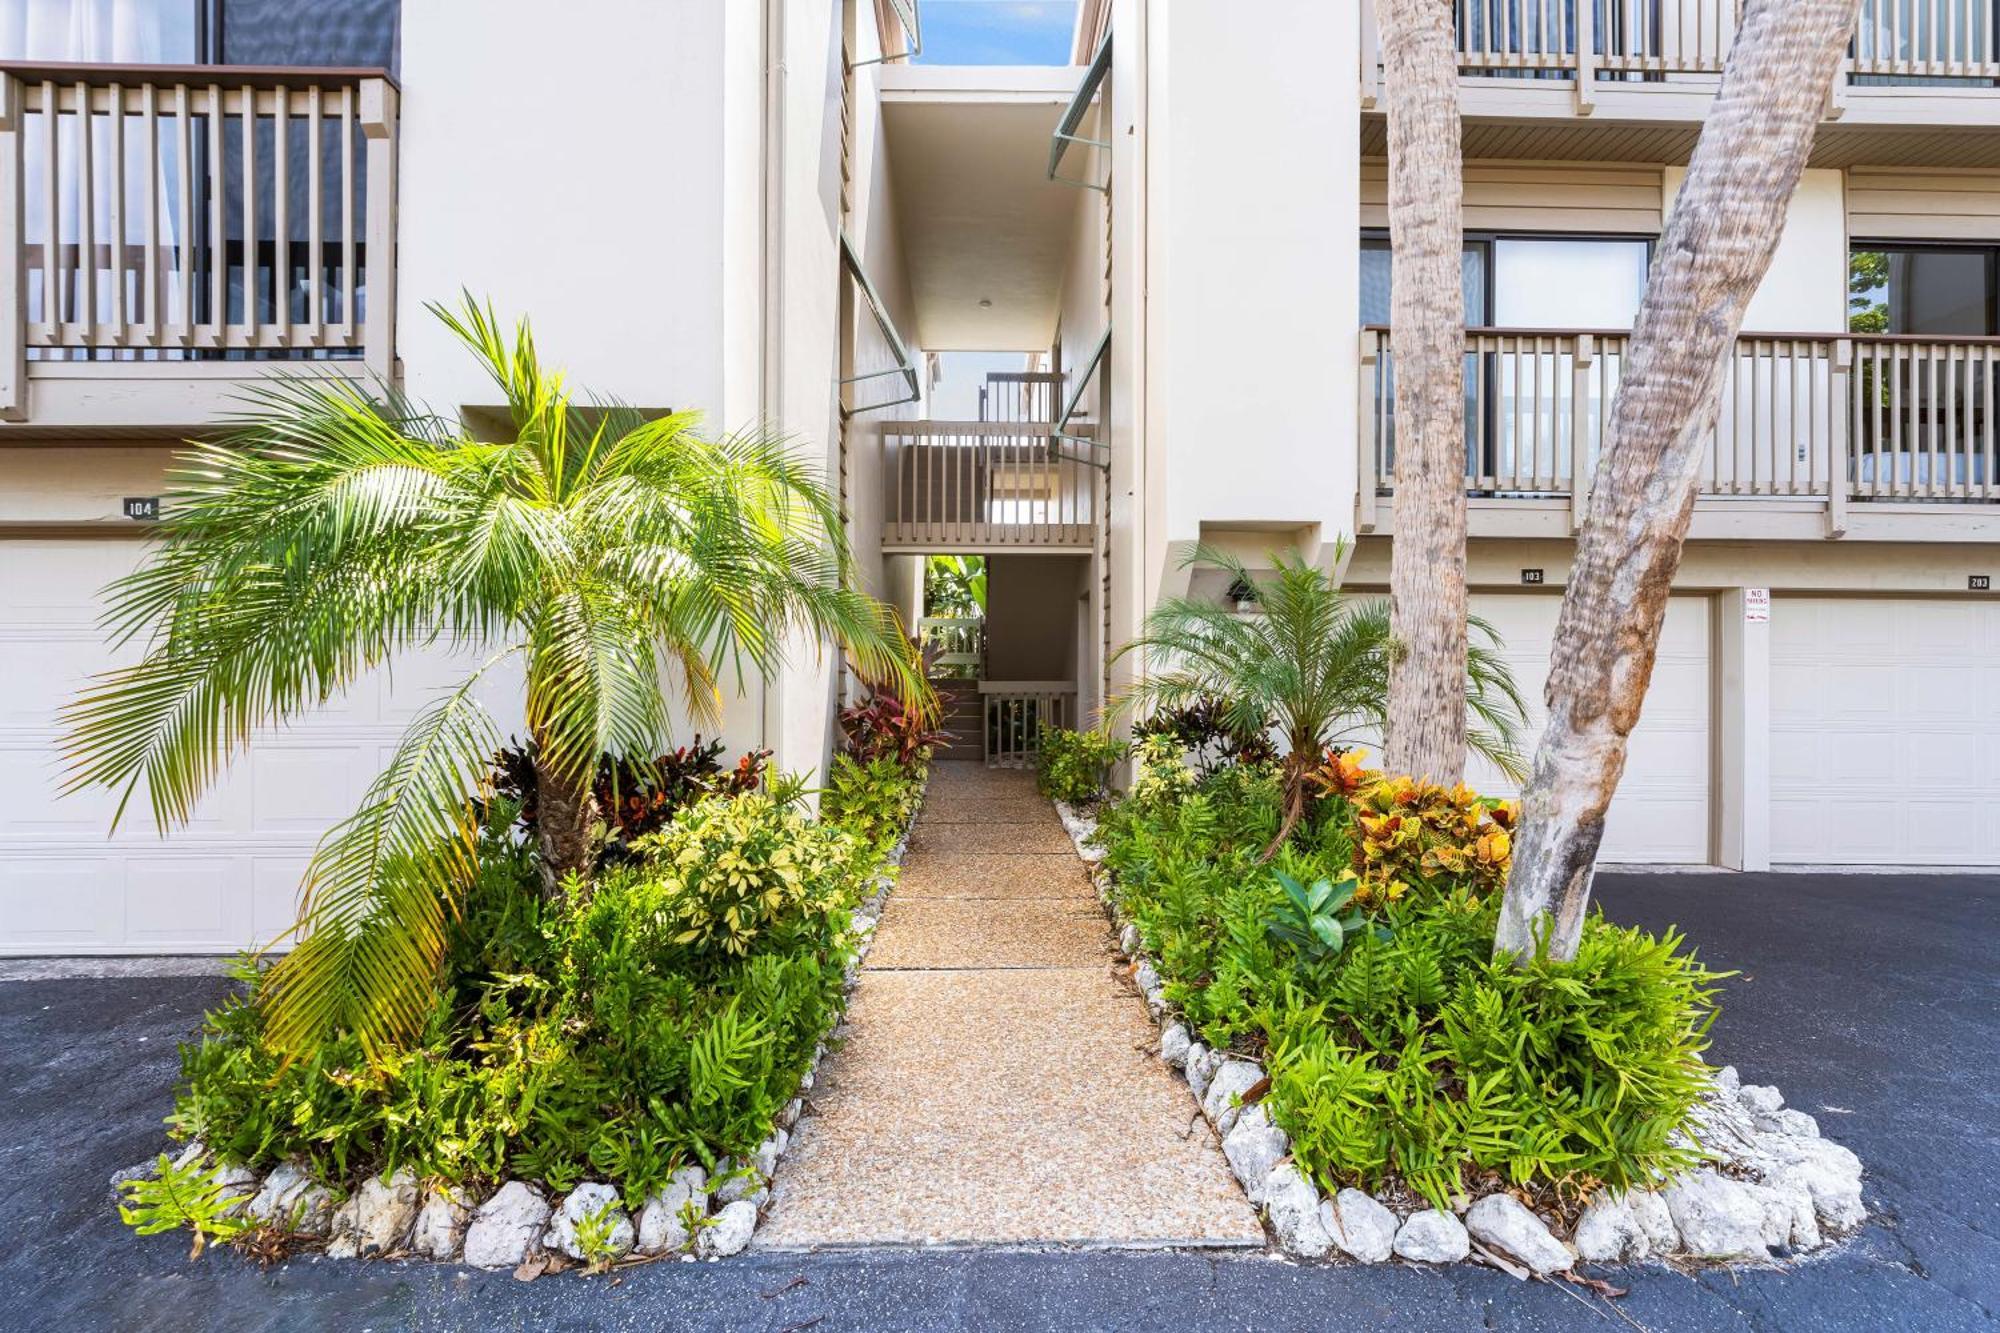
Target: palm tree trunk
x,y
1718,244
564,816
1426,731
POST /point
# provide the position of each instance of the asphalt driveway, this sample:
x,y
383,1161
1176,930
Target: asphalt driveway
x,y
1873,1001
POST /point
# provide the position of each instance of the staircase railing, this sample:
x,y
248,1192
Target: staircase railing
x,y
1018,714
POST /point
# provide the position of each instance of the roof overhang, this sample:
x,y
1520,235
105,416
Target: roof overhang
x,y
985,234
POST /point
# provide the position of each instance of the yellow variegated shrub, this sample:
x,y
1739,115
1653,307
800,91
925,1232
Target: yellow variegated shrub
x,y
1407,831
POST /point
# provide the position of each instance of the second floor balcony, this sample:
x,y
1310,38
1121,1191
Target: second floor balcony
x,y
1553,78
172,232
1879,437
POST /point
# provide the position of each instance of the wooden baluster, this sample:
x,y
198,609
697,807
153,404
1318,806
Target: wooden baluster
x,y
378,124
52,269
13,248
149,111
216,326
252,288
349,326
315,223
1579,430
114,207
184,215
1843,388
86,219
281,216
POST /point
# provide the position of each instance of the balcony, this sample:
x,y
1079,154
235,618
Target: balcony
x,y
1818,435
1631,80
985,486
172,233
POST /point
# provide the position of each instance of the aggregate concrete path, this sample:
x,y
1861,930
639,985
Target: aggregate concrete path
x,y
996,1083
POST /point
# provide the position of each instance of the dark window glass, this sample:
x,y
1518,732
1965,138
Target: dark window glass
x,y
1921,289
1375,281
360,33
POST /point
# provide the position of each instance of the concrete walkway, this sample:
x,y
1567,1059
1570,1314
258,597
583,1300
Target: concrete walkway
x,y
996,1083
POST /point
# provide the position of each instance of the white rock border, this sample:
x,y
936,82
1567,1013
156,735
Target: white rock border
x,y
1773,1189
696,1215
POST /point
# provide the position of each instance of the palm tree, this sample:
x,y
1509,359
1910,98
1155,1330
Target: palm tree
x,y
1309,662
332,529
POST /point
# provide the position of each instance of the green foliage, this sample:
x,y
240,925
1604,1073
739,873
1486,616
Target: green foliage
x,y
599,551
873,801
593,1236
1308,662
1074,765
664,1019
191,1196
955,586
727,871
1307,920
1163,776
1409,1052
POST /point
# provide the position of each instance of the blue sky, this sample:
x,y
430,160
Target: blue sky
x,y
996,32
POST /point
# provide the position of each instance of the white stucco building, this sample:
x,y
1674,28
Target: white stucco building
x,y
764,209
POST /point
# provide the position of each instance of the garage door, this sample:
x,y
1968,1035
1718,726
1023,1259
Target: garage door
x,y
227,880
1660,814
1885,732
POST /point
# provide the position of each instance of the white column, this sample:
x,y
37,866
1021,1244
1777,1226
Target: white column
x,y
1743,729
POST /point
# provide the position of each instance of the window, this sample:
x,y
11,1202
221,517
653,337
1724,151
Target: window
x,y
126,32
1936,289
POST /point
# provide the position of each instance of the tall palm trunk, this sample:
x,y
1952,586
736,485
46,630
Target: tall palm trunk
x,y
1718,244
564,815
1426,731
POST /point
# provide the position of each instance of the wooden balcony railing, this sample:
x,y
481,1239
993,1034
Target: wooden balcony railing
x,y
1904,41
1019,712
1802,416
974,485
181,214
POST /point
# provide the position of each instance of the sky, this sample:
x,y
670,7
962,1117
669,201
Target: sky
x,y
996,32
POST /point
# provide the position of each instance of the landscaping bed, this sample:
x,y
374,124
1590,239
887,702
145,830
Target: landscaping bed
x,y
1382,1087
606,1078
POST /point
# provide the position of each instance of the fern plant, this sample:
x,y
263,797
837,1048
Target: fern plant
x,y
191,1196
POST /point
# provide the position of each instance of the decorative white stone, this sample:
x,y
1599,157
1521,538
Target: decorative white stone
x,y
1253,1148
1719,1218
441,1221
768,1153
1656,1221
1361,1227
1432,1237
506,1227
588,1200
292,1200
1221,1103
236,1182
661,1225
1796,1124
790,1115
729,1233
732,1183
1502,1222
1830,1173
1128,940
1199,1067
1147,980
1292,1205
1609,1231
1174,1044
1759,1100
377,1219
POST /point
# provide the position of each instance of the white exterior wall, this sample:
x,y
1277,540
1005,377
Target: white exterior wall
x,y
1805,290
1253,199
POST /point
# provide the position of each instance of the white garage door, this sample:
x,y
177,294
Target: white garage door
x,y
227,880
1885,731
1660,814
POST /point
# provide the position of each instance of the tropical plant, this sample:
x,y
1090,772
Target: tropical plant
x,y
1310,662
1309,920
332,529
873,801
191,1195
1073,765
637,796
955,586
884,725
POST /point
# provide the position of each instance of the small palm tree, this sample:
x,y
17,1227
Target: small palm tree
x,y
333,529
1307,661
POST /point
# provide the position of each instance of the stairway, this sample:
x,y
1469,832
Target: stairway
x,y
963,718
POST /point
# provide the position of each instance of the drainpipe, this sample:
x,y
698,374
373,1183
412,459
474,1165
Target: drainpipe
x,y
771,394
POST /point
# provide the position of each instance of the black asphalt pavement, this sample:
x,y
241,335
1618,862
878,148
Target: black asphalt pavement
x,y
1872,1001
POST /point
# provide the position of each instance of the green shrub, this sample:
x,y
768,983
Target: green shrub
x,y
873,801
664,1019
1409,1053
191,1196
1073,766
